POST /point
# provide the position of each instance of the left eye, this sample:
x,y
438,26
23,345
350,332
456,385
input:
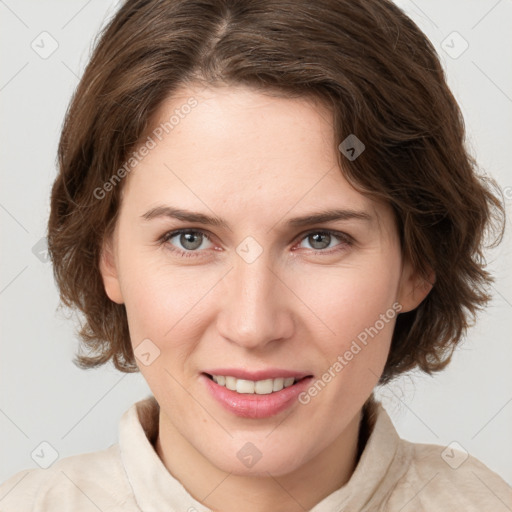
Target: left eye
x,y
321,239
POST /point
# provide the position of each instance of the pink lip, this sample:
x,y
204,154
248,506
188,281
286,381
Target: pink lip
x,y
269,373
252,405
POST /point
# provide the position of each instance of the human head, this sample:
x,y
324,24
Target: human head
x,y
365,61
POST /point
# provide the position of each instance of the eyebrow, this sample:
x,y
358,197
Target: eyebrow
x,y
304,220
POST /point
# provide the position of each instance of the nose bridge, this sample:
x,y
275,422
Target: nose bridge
x,y
254,311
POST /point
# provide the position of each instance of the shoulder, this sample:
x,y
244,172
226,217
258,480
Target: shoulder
x,y
441,478
81,483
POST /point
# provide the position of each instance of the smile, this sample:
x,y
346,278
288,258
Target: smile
x,y
259,387
255,399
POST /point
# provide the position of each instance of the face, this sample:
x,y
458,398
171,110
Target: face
x,y
255,293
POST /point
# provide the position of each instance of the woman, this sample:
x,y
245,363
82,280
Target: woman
x,y
267,208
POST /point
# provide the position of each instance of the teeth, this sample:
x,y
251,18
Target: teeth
x,y
260,387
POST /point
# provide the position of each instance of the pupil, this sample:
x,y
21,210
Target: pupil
x,y
315,240
188,238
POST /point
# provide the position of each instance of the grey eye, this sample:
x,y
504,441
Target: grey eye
x,y
320,240
187,240
191,240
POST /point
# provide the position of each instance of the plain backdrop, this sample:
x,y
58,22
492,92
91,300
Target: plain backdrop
x,y
45,398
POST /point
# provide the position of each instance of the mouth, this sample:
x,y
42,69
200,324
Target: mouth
x,y
255,399
255,387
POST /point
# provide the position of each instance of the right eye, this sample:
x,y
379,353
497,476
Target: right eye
x,y
190,240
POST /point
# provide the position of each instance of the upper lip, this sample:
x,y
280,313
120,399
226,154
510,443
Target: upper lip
x,y
268,373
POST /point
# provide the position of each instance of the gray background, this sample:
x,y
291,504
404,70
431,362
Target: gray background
x,y
45,398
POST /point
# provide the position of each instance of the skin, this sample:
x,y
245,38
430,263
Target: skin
x,y
256,161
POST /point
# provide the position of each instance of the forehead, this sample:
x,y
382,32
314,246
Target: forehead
x,y
242,148
241,122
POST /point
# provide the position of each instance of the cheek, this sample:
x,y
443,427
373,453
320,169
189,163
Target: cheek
x,y
158,305
162,302
348,300
359,309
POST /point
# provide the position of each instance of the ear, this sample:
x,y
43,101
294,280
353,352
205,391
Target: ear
x,y
413,287
109,272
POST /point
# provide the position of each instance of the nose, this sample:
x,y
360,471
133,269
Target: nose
x,y
255,305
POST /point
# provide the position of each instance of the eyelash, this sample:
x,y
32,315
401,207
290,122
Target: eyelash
x,y
347,241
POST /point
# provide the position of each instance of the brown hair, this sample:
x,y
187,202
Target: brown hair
x,y
366,61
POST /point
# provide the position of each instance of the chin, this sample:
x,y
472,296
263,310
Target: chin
x,y
248,460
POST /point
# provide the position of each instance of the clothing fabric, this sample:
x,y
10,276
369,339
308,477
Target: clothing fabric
x,y
392,475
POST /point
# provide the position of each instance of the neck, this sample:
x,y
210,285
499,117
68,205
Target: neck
x,y
296,491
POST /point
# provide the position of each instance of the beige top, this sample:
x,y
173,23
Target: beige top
x,y
392,475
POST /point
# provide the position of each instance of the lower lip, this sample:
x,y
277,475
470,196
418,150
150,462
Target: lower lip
x,y
255,406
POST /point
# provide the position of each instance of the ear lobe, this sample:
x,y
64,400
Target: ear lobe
x,y
414,288
109,273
